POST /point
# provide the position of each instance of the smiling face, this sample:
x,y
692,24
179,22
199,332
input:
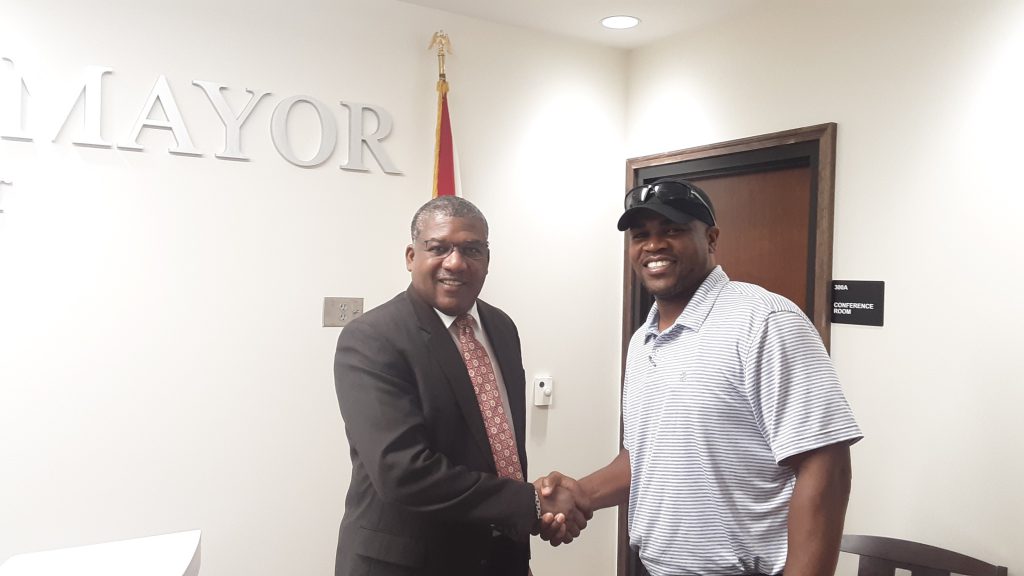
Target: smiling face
x,y
671,258
449,282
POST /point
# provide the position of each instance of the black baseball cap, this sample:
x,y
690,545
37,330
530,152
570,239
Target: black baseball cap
x,y
674,198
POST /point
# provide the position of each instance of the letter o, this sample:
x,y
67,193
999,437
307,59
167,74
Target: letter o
x,y
279,131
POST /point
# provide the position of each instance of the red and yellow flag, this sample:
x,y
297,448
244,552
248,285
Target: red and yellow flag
x,y
445,183
444,155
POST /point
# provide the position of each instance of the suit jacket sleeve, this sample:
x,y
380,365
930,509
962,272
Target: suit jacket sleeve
x,y
379,399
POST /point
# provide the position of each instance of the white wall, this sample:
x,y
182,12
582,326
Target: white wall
x,y
162,364
928,98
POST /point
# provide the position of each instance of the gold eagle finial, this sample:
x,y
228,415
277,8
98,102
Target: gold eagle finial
x,y
443,44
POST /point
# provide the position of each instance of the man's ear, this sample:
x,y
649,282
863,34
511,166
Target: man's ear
x,y
409,252
712,239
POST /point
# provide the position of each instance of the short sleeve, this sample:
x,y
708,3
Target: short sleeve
x,y
793,388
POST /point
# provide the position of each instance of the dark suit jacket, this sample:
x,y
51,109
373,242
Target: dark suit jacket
x,y
424,497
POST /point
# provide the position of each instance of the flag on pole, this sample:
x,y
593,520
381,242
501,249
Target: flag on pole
x,y
444,152
444,156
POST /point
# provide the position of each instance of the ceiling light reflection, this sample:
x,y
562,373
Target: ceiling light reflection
x,y
620,22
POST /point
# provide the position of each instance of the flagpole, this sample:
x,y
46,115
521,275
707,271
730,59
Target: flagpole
x,y
444,168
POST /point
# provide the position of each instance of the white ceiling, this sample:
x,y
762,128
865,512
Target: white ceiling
x,y
582,18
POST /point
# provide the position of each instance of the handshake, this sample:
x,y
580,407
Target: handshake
x,y
565,508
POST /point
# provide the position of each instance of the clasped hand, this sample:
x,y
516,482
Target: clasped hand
x,y
565,508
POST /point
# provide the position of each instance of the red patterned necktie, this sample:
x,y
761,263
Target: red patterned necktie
x,y
481,373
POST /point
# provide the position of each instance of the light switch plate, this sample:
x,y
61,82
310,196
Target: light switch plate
x,y
340,311
543,390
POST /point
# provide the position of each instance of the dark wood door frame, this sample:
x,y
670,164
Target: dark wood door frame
x,y
815,145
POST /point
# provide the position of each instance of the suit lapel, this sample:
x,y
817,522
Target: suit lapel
x,y
443,350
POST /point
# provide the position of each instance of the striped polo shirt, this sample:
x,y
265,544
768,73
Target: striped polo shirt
x,y
710,406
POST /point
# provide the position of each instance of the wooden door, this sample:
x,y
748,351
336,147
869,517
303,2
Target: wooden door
x,y
765,220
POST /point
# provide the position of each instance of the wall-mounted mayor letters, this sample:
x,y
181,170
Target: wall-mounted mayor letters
x,y
89,91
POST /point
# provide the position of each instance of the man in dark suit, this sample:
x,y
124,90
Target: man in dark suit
x,y
432,390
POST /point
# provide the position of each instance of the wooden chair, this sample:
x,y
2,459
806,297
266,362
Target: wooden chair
x,y
881,556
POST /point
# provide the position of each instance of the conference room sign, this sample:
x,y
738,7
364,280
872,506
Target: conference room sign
x,y
858,302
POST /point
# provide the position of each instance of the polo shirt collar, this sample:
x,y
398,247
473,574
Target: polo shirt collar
x,y
697,309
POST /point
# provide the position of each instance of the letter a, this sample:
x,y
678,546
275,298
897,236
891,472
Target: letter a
x,y
161,93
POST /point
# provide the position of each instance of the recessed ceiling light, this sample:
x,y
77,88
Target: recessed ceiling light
x,y
620,22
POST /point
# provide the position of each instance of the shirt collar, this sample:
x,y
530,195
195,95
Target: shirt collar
x,y
697,309
449,320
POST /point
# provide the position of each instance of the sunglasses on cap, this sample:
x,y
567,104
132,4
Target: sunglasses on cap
x,y
673,193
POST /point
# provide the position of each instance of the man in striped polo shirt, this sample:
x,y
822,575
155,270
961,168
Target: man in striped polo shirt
x,y
736,432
